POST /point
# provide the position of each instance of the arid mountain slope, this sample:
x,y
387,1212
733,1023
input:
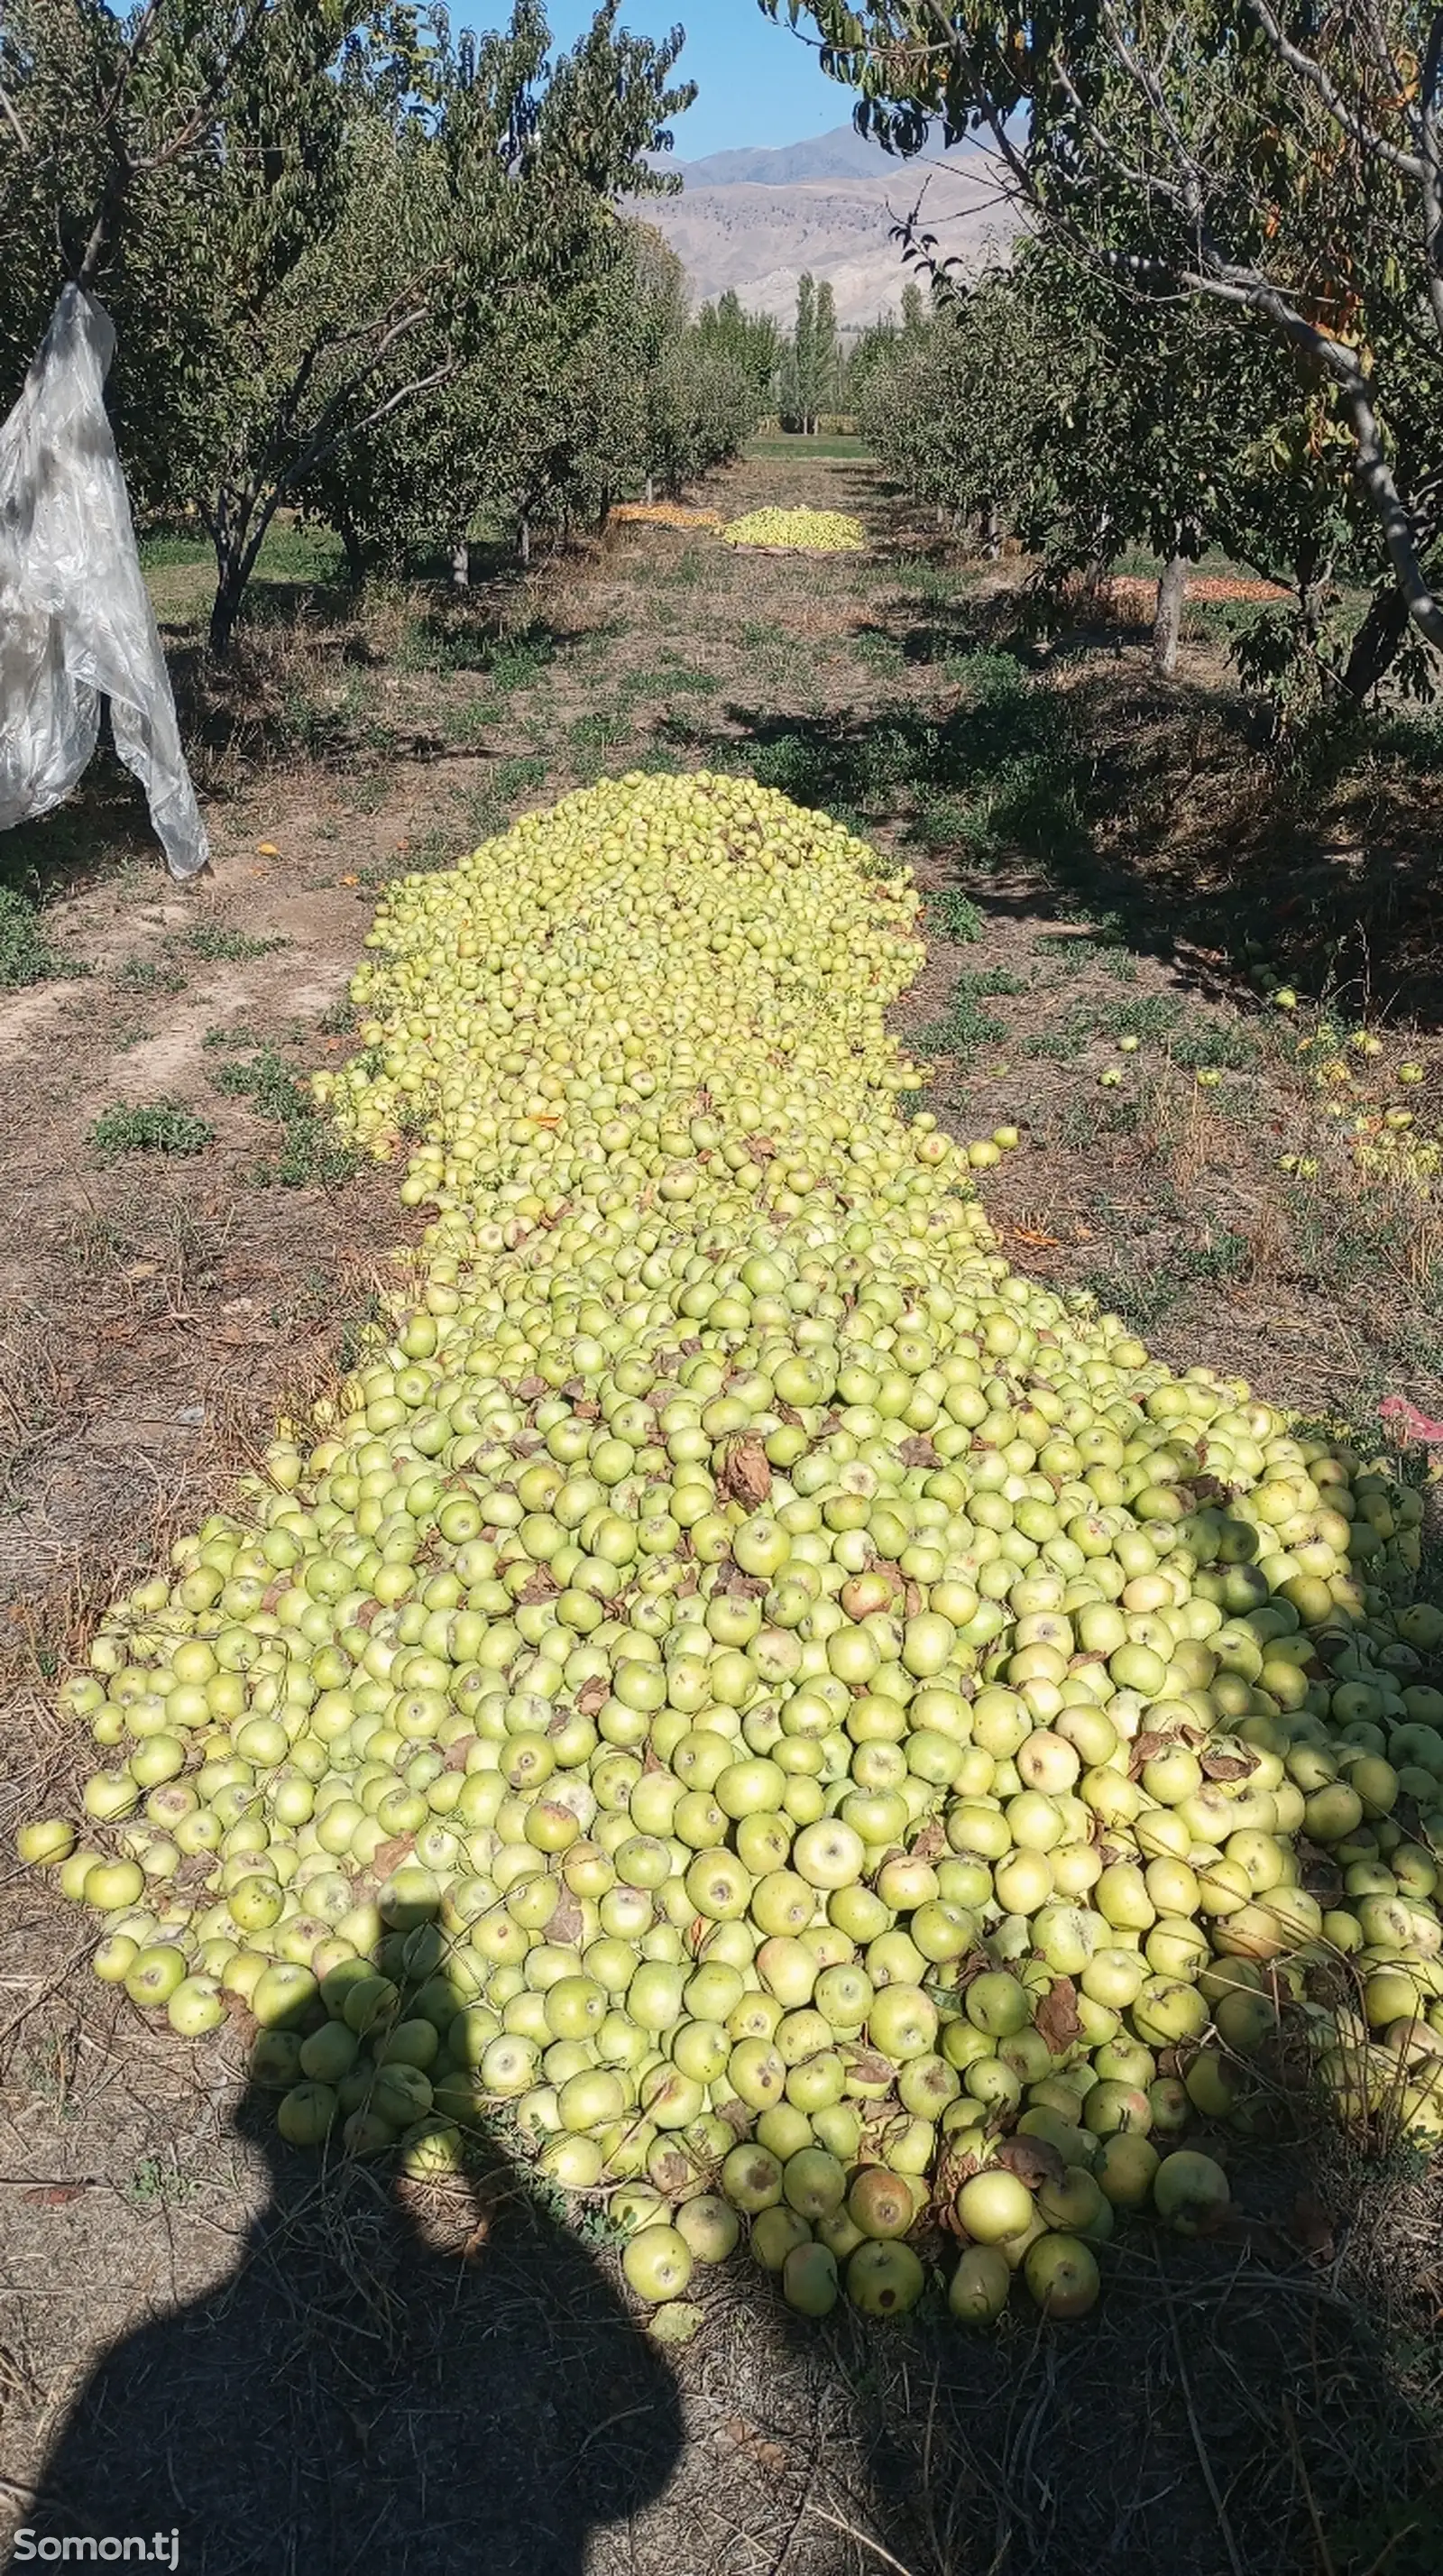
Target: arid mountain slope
x,y
756,220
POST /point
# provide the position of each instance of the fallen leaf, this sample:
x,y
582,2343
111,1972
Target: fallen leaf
x,y
1033,2160
267,850
869,2065
744,1587
746,1475
54,2195
1229,1766
1056,2016
1145,1748
389,1856
350,881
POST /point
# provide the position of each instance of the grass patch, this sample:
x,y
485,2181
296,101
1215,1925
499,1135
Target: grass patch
x,y
234,1038
157,553
769,450
147,975
1227,1046
954,914
218,945
26,956
470,722
437,643
600,731
966,1025
671,678
1144,1294
1156,1018
521,775
156,1127
1367,1239
309,1155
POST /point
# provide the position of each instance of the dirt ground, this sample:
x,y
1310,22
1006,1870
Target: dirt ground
x,y
313,2372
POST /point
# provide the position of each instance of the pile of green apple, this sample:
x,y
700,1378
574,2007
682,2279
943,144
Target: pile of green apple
x,y
820,1737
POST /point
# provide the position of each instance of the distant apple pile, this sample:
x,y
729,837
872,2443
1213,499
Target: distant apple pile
x,y
814,532
663,514
821,1735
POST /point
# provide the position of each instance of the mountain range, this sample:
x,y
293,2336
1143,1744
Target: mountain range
x,y
754,220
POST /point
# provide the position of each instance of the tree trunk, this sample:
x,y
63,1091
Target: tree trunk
x,y
1375,646
1098,570
991,532
523,541
1167,619
225,608
237,524
460,564
350,537
650,490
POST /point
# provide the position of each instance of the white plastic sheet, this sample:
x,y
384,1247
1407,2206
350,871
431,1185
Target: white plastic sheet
x,y
76,621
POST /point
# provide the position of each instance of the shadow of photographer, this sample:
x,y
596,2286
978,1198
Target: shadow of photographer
x,y
411,2365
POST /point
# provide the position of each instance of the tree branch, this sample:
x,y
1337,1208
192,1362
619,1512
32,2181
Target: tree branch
x,y
1432,167
124,167
1374,473
7,110
1348,119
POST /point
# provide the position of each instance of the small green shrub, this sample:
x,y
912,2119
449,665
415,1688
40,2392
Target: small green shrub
x,y
26,956
153,1127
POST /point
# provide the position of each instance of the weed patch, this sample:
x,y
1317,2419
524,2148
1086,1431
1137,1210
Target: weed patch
x,y
954,914
309,1156
965,1025
157,1127
217,945
147,975
233,1039
26,956
1146,1291
519,776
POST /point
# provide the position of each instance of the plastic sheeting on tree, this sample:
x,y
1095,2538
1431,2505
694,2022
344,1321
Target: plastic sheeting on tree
x,y
76,623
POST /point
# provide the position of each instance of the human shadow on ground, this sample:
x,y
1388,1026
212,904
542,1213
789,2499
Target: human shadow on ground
x,y
400,2376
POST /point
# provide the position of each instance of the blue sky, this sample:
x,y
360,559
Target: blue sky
x,y
757,83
